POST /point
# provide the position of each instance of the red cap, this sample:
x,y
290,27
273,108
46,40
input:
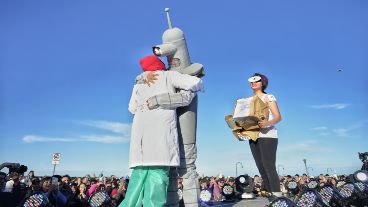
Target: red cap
x,y
151,63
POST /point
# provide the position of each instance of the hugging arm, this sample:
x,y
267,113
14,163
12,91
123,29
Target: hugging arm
x,y
188,85
171,100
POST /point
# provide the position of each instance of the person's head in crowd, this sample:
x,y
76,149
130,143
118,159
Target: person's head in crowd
x,y
212,180
86,180
203,183
305,176
322,178
36,184
332,181
82,188
302,181
231,181
45,184
342,177
123,185
282,179
100,181
296,177
257,179
115,183
108,186
74,188
221,182
78,180
31,174
108,182
65,179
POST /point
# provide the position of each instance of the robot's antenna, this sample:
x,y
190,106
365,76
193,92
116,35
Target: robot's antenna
x,y
168,17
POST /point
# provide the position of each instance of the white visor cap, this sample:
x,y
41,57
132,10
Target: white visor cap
x,y
254,79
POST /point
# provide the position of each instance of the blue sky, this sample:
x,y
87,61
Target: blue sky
x,y
67,71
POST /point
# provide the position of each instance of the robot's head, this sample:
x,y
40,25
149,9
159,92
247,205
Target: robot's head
x,y
172,35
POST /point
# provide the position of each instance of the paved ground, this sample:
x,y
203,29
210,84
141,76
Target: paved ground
x,y
258,202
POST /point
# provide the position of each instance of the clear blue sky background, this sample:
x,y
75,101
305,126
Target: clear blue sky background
x,y
67,71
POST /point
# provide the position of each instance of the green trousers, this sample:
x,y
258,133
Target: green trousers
x,y
147,184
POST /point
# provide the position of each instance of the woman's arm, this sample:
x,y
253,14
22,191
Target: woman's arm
x,y
133,101
276,115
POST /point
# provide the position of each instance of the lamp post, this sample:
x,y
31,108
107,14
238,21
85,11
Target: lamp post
x,y
278,168
236,168
306,168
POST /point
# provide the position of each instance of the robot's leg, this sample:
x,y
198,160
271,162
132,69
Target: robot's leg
x,y
187,171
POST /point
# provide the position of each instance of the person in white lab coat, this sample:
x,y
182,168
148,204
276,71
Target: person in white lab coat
x,y
154,143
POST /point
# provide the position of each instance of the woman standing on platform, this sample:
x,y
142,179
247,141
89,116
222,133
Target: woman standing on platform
x,y
264,148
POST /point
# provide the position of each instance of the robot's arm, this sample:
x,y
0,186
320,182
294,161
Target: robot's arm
x,y
171,100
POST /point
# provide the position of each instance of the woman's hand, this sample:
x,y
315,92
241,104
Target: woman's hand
x,y
276,116
151,77
263,124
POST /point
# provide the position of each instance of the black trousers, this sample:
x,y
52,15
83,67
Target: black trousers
x,y
264,153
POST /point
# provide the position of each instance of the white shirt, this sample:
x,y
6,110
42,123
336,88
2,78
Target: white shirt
x,y
270,131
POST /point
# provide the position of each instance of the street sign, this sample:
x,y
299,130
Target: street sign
x,y
56,157
55,162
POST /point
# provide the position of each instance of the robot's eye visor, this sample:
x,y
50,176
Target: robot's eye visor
x,y
156,51
163,50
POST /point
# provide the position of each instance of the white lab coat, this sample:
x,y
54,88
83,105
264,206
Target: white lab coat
x,y
154,136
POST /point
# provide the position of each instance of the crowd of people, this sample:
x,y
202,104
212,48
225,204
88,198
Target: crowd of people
x,y
67,191
61,191
255,186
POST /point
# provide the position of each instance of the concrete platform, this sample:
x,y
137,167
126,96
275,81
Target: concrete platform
x,y
258,202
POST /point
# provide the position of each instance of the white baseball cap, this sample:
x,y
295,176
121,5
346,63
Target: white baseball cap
x,y
254,79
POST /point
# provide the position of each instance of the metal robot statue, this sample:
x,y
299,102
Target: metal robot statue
x,y
174,47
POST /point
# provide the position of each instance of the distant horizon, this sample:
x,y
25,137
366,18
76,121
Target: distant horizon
x,y
67,70
107,173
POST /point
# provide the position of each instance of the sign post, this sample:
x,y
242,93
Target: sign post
x,y
55,160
